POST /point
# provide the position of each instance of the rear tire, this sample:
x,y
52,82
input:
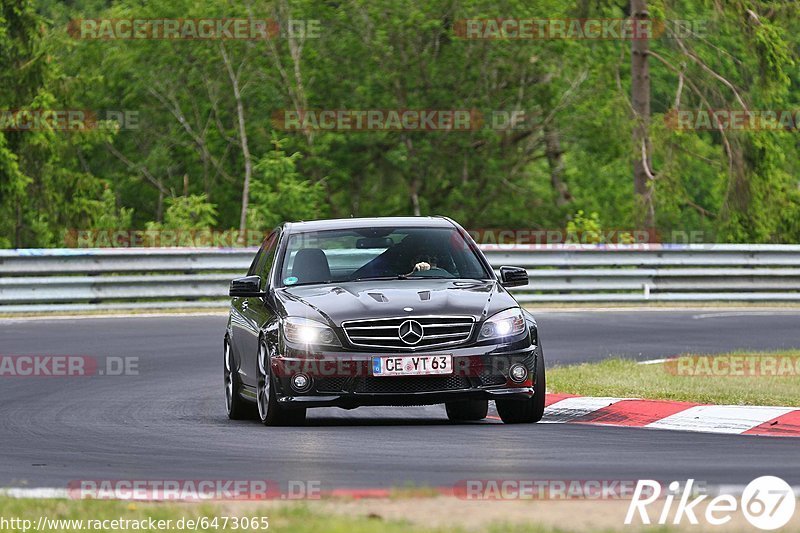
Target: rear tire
x,y
530,410
467,410
236,407
269,411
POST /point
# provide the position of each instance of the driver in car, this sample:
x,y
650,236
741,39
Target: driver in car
x,y
412,252
423,263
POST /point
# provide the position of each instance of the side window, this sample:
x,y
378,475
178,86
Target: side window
x,y
252,270
265,257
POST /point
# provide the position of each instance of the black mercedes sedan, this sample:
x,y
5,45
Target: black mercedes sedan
x,y
379,311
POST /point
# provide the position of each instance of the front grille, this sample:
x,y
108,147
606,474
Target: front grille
x,y
337,384
437,331
407,384
488,379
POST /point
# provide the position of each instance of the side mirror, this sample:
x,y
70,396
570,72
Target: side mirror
x,y
513,276
246,287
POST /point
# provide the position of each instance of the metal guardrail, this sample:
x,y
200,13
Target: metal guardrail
x,y
104,278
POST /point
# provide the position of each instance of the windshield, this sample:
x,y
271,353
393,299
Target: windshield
x,y
337,256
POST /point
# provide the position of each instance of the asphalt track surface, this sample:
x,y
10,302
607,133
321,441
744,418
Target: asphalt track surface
x,y
169,421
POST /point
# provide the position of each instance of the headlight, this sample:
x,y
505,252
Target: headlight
x,y
506,323
306,331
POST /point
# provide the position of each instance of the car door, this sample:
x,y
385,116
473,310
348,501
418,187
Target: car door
x,y
239,327
255,311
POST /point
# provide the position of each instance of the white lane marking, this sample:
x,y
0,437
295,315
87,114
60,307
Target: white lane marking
x,y
743,313
723,310
732,419
735,490
655,361
572,408
36,493
12,320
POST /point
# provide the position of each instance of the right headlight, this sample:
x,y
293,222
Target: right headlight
x,y
508,323
307,331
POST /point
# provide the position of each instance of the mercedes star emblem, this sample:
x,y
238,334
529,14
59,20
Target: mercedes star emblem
x,y
410,332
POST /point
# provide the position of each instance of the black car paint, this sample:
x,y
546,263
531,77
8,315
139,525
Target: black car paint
x,y
256,317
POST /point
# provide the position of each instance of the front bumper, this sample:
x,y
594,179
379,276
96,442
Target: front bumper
x,y
353,400
344,379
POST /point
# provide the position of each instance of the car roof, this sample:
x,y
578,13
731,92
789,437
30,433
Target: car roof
x,y
373,222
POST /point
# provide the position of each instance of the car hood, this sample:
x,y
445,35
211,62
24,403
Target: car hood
x,y
336,303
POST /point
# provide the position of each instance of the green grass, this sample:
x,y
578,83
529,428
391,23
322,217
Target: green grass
x,y
299,518
290,518
629,379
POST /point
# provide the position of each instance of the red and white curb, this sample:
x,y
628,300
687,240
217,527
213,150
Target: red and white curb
x,y
677,416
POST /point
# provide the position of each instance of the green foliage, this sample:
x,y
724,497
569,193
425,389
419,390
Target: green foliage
x,y
45,189
738,186
584,229
279,192
108,215
193,212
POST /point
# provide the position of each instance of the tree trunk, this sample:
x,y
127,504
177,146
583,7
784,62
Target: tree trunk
x,y
160,207
414,190
248,161
640,97
552,147
414,185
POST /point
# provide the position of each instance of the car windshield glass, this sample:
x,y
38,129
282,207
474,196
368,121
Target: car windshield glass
x,y
336,256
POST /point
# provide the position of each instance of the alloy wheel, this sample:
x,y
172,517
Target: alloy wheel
x,y
228,378
262,393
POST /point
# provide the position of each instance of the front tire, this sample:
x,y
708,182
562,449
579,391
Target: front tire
x,y
467,410
530,410
236,407
269,411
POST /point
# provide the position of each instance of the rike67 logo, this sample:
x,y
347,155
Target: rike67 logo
x,y
767,503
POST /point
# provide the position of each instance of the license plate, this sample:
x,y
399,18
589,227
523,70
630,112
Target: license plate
x,y
412,365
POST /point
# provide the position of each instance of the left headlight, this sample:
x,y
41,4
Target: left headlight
x,y
508,323
307,331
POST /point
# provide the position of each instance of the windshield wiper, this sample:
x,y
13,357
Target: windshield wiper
x,y
400,276
307,283
382,278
